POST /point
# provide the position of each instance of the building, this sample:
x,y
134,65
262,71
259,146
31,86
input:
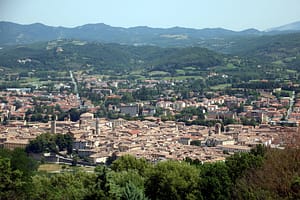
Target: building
x,y
12,144
131,110
234,148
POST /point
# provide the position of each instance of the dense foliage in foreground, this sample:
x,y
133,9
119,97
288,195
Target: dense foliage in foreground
x,y
261,174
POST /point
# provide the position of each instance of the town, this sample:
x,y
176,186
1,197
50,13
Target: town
x,y
150,118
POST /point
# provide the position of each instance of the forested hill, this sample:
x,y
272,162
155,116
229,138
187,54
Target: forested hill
x,y
264,45
69,54
279,49
13,34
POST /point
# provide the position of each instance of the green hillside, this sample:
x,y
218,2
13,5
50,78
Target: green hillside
x,y
65,55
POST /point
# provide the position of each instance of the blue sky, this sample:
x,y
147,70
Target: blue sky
x,y
230,14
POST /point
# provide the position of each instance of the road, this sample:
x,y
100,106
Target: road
x,y
290,110
75,86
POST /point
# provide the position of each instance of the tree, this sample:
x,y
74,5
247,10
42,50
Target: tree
x,y
62,186
127,98
172,180
215,182
133,193
19,160
128,162
196,142
118,184
276,178
64,142
101,188
47,142
11,183
295,187
74,114
41,143
239,163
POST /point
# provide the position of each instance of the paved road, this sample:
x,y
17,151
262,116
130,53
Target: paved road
x,y
290,110
75,86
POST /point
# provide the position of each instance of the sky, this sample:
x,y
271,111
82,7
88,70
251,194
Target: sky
x,y
229,14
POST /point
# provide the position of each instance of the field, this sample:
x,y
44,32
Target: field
x,y
220,87
57,168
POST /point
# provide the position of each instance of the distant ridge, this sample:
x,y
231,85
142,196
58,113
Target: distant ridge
x,y
13,34
295,26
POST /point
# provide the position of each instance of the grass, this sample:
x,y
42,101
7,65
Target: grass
x,y
182,77
223,68
289,59
180,72
278,62
52,168
33,80
158,73
137,72
220,87
291,71
230,66
190,68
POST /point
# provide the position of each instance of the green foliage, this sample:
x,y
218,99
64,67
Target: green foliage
x,y
172,180
20,161
105,57
11,183
101,187
126,183
127,98
268,48
295,187
128,162
261,174
248,122
215,181
47,142
276,178
196,143
62,186
241,162
74,114
64,142
131,192
188,112
145,94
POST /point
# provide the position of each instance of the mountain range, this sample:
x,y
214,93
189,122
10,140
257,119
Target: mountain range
x,y
15,34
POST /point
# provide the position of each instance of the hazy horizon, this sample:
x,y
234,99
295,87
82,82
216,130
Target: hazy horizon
x,y
231,14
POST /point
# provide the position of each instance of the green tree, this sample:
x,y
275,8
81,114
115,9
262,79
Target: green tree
x,y
127,98
62,186
19,160
47,142
240,162
64,142
118,181
276,178
131,192
128,162
295,188
74,114
172,180
101,187
11,183
215,182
